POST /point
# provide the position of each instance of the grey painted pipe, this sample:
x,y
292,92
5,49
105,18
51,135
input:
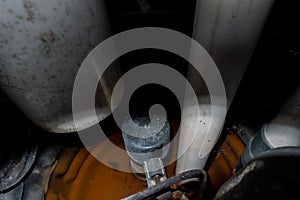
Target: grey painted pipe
x,y
284,129
228,30
42,44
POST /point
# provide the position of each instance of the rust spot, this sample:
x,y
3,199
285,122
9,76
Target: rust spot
x,y
29,10
47,42
226,160
77,170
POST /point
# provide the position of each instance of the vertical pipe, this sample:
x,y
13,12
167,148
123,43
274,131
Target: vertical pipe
x,y
228,30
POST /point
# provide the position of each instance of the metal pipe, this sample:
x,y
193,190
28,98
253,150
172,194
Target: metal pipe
x,y
162,187
42,44
284,129
228,30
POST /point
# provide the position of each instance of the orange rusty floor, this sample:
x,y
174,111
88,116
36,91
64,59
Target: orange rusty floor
x,y
79,176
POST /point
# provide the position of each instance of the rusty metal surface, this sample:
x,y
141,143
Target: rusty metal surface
x,y
42,44
78,175
162,188
77,171
226,160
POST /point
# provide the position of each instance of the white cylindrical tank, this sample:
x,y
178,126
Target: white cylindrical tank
x,y
42,45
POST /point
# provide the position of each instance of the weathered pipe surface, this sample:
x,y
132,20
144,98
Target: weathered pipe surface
x,y
42,44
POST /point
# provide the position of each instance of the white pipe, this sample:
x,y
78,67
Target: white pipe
x,y
284,129
228,30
